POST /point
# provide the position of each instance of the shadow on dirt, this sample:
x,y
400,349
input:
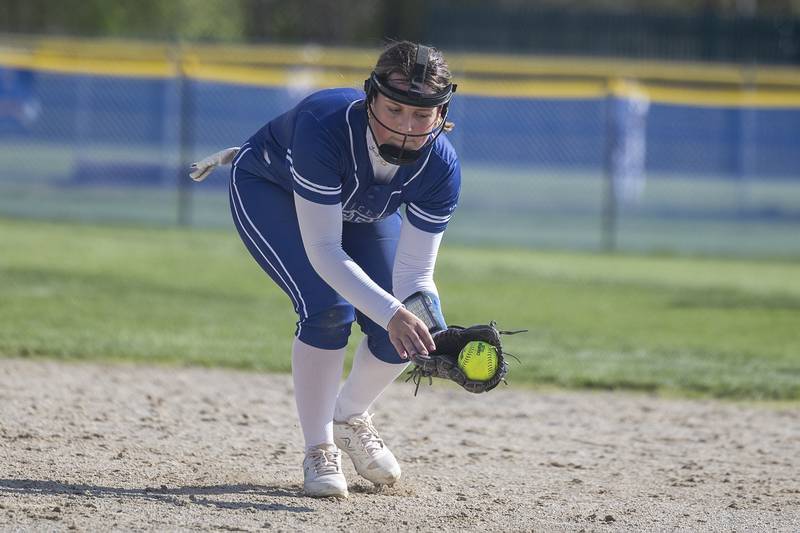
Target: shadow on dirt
x,y
178,496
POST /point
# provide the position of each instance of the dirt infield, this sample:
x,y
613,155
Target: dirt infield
x,y
98,447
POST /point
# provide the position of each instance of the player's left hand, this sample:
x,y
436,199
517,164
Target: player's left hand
x,y
442,362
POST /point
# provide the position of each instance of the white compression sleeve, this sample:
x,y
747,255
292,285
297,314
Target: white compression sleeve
x,y
321,229
414,261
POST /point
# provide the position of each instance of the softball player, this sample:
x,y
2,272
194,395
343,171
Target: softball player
x,y
315,196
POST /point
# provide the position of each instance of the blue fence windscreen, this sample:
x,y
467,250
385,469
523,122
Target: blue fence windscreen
x,y
718,179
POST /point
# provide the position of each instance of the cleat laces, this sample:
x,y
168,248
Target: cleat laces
x,y
367,434
325,462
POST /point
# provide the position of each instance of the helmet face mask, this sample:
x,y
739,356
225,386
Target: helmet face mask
x,y
417,95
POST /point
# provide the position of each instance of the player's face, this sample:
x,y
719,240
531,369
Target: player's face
x,y
402,118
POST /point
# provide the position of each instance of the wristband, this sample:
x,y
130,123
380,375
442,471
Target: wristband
x,y
425,306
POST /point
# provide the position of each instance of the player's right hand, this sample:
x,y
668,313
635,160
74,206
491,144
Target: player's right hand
x,y
409,335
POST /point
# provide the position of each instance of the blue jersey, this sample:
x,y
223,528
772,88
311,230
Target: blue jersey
x,y
318,150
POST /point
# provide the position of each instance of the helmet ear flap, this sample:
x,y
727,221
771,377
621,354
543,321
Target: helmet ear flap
x,y
370,89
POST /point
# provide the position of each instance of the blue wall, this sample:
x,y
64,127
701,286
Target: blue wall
x,y
79,110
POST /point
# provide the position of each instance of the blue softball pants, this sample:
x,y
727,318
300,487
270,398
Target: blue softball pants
x,y
265,216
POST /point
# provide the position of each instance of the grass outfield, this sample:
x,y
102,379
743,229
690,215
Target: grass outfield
x,y
717,327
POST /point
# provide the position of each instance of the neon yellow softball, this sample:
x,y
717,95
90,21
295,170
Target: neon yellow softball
x,y
478,360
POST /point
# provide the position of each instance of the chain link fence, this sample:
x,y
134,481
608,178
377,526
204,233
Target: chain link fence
x,y
716,172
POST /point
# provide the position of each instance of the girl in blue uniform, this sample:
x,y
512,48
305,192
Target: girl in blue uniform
x,y
315,195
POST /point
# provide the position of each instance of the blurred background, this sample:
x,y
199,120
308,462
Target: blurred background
x,y
666,126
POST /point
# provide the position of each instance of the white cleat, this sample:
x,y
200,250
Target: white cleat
x,y
371,458
322,472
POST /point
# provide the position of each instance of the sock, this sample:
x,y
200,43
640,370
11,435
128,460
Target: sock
x,y
367,380
316,374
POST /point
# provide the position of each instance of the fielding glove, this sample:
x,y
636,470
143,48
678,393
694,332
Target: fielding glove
x,y
443,361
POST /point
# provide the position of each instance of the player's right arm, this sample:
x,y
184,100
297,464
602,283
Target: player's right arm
x,y
321,230
316,170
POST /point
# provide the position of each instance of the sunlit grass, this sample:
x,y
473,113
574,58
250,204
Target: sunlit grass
x,y
713,327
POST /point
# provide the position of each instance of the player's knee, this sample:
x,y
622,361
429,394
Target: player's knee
x,y
328,329
380,345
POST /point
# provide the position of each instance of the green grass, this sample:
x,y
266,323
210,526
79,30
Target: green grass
x,y
697,326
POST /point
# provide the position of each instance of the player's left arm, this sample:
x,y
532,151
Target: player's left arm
x,y
412,275
427,217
